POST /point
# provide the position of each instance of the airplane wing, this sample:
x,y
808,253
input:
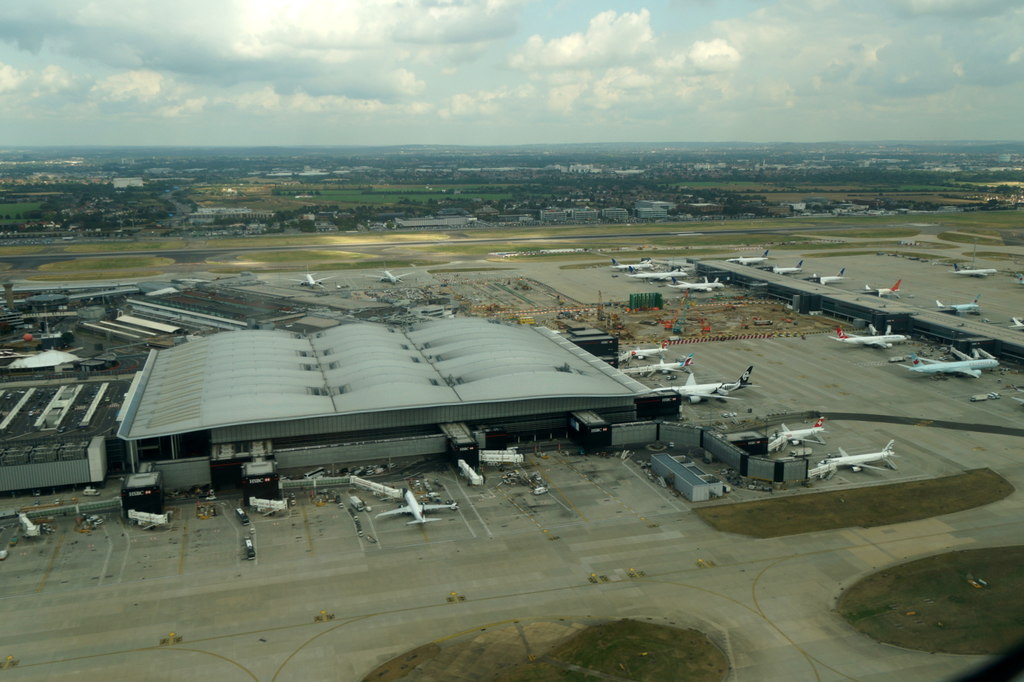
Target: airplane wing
x,y
877,344
438,507
395,512
974,373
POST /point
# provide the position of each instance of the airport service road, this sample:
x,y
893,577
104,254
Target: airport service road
x,y
767,602
97,605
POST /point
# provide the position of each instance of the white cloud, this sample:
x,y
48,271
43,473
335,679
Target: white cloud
x,y
10,78
142,85
610,37
713,55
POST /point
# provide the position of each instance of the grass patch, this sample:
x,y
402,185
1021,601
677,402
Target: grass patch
x,y
891,232
865,507
972,237
112,263
620,650
632,650
107,247
301,256
930,605
19,250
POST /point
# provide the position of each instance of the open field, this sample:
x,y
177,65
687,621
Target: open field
x,y
17,210
866,507
963,602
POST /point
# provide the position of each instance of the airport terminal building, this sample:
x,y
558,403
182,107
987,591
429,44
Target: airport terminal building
x,y
365,391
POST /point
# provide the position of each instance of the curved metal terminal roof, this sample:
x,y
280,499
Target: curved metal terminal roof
x,y
244,377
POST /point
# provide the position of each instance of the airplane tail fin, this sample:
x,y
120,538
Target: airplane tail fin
x,y
840,333
744,379
939,303
956,268
896,287
914,360
765,254
977,298
664,344
674,280
841,271
800,263
614,262
687,361
821,422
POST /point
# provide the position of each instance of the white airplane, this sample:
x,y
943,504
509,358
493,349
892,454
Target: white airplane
x,y
858,462
389,277
828,279
967,365
1016,323
643,353
973,272
749,260
661,366
876,340
695,392
894,290
971,307
797,436
696,286
789,271
311,281
416,509
644,264
655,276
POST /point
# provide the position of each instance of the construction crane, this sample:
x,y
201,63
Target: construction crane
x,y
680,318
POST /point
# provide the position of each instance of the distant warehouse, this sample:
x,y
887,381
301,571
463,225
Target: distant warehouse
x,y
366,391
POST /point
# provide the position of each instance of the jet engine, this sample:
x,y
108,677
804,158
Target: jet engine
x,y
693,398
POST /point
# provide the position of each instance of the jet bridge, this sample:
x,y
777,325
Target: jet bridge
x,y
509,456
147,520
378,489
473,477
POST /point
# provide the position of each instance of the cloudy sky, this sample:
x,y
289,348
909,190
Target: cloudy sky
x,y
338,72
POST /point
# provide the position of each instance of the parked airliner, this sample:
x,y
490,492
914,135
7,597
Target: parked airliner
x,y
828,279
876,340
796,436
973,272
311,281
661,366
696,286
695,392
971,307
642,353
799,267
858,462
644,264
749,260
894,290
416,508
655,276
967,365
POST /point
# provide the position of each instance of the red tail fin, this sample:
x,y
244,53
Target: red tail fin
x,y
896,287
820,422
840,333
